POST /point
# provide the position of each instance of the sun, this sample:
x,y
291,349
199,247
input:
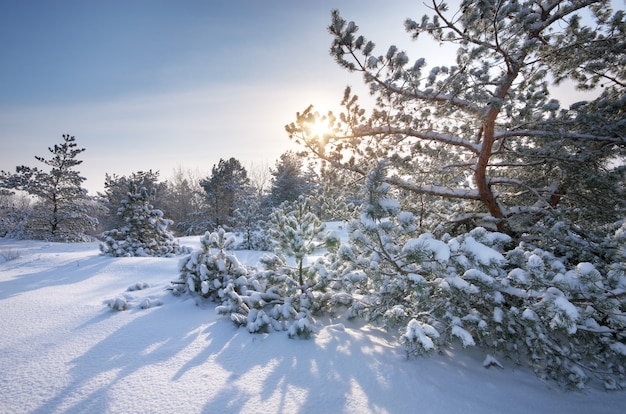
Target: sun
x,y
319,128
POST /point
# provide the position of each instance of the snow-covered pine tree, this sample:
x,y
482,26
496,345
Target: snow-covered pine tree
x,y
60,210
297,233
208,270
369,264
250,220
486,137
485,130
216,274
144,231
241,293
116,194
521,303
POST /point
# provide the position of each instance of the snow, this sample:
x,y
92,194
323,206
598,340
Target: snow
x,y
415,332
440,250
65,351
483,254
463,335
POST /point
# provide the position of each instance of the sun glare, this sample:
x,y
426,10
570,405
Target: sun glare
x,y
319,128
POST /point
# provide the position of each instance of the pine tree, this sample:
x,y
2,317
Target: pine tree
x,y
297,233
116,193
251,220
209,270
144,231
60,213
289,181
516,302
225,186
485,131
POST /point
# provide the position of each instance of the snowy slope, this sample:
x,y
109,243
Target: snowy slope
x,y
62,350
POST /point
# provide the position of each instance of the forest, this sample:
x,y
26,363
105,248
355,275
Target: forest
x,y
480,211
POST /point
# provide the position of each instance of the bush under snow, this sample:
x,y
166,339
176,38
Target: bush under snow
x,y
515,302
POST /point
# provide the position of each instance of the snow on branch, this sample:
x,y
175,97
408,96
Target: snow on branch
x,y
433,96
560,134
411,132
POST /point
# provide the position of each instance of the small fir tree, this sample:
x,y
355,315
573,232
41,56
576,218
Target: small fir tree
x,y
297,233
144,231
282,297
116,194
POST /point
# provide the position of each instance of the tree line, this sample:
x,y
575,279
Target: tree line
x,y
51,204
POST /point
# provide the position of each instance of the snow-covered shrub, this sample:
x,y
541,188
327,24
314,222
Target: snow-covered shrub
x,y
367,265
118,304
296,233
209,270
283,296
144,232
128,300
9,254
138,286
476,289
245,295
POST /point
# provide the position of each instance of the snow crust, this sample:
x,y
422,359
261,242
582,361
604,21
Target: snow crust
x,y
64,350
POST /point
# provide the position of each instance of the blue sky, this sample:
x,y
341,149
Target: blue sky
x,y
160,84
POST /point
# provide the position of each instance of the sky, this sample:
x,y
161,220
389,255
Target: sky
x,y
169,84
166,85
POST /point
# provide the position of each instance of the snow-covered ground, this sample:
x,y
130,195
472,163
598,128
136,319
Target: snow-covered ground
x,y
63,351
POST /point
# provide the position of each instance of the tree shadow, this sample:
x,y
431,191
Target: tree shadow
x,y
310,376
152,336
72,271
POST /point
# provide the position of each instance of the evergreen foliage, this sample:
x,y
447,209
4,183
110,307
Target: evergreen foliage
x,y
13,209
564,318
289,180
224,188
144,231
251,221
296,233
515,301
183,200
116,193
60,210
282,297
210,269
336,194
484,133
